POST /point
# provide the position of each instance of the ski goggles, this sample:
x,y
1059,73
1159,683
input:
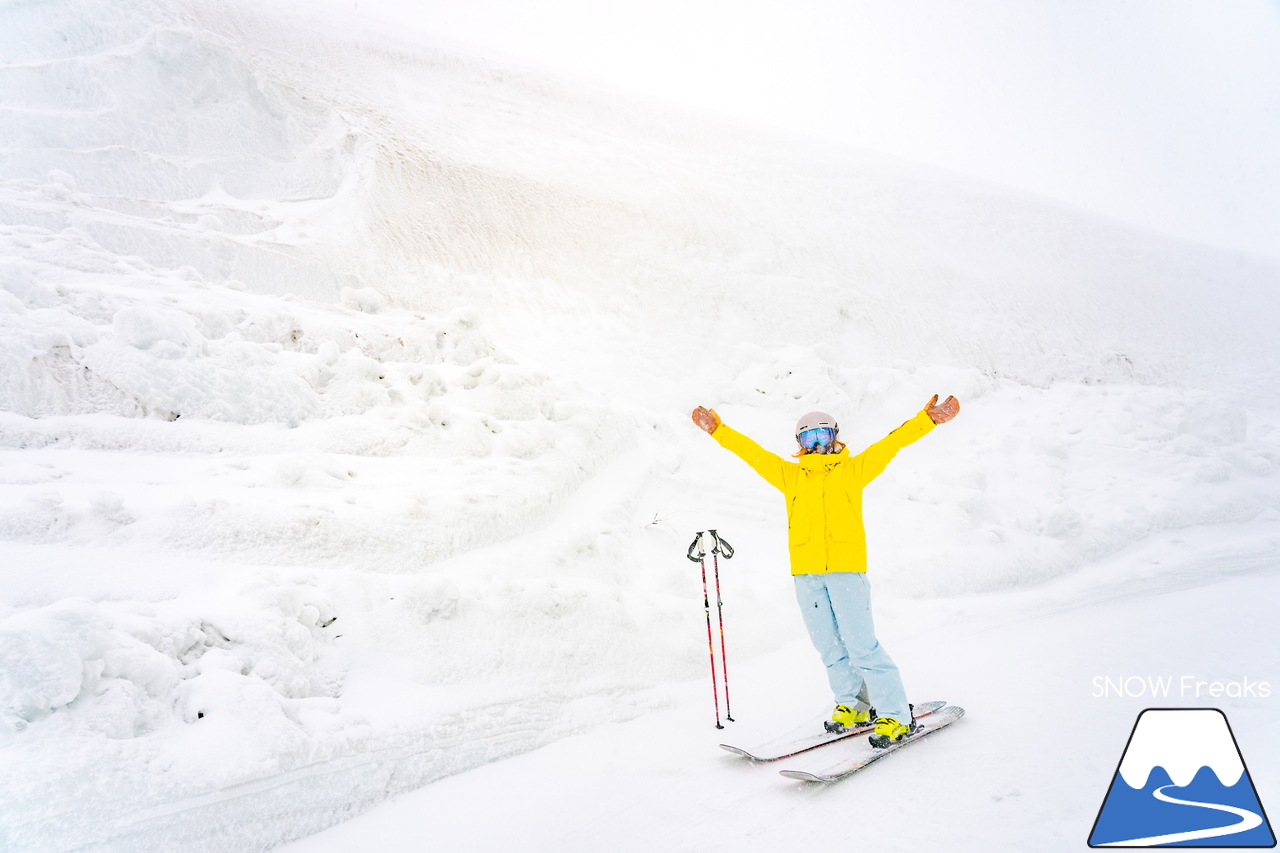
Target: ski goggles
x,y
816,437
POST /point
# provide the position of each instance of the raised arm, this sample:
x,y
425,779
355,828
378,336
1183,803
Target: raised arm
x,y
878,455
768,465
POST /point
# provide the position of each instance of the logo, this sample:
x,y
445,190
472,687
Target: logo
x,y
1181,782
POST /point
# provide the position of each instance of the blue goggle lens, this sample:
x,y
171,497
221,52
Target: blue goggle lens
x,y
817,437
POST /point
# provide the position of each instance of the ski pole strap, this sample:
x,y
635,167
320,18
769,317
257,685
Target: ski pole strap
x,y
696,546
722,547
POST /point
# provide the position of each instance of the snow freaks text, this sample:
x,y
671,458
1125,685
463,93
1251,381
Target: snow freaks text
x,y
1181,687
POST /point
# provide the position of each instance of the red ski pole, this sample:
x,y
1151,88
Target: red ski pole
x,y
700,559
722,547
724,661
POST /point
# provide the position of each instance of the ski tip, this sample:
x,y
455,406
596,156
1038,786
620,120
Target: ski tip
x,y
736,751
801,775
941,718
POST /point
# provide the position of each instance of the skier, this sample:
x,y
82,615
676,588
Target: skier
x,y
827,541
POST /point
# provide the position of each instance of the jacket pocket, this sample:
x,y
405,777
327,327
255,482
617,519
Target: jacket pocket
x,y
844,517
799,535
799,524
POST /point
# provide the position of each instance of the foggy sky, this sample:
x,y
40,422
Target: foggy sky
x,y
1164,113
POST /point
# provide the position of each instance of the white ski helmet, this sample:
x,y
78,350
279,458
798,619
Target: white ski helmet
x,y
817,420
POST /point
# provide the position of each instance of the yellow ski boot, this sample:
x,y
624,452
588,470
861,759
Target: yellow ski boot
x,y
888,730
844,717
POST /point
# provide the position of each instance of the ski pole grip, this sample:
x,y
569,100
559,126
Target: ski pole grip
x,y
723,548
696,558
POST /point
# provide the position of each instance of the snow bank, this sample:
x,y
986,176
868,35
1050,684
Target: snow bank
x,y
351,376
299,392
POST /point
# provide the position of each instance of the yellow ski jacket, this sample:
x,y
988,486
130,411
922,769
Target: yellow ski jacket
x,y
824,495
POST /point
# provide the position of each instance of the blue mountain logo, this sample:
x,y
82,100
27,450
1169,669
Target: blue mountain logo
x,y
1182,783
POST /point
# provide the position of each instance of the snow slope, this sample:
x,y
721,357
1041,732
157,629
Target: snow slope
x,y
1026,769
343,404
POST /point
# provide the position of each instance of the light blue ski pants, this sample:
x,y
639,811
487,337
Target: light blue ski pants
x,y
837,612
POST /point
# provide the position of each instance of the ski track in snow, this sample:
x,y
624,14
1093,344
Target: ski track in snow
x,y
344,438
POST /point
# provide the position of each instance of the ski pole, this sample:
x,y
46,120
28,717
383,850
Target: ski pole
x,y
727,550
700,559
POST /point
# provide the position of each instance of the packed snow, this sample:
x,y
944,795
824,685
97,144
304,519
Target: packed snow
x,y
344,442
